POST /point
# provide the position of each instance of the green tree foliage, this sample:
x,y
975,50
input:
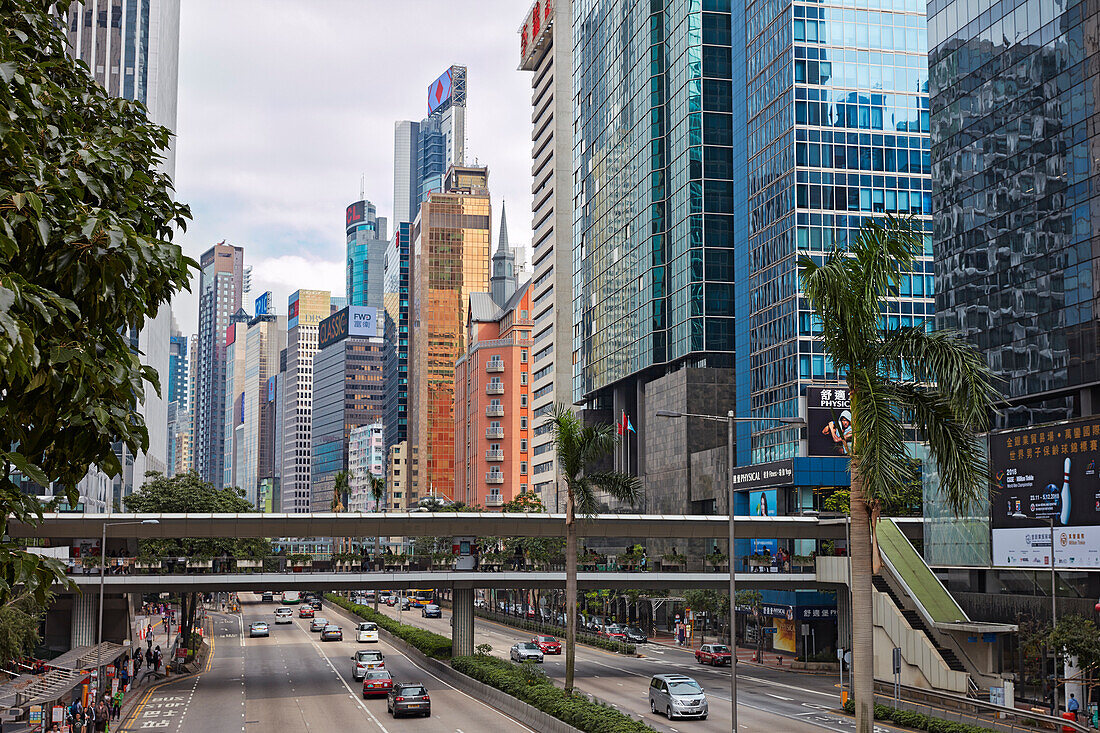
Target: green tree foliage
x,y
187,492
19,622
86,221
935,381
1077,636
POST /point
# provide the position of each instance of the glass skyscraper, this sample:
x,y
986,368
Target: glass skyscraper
x,y
366,254
395,365
1014,149
835,122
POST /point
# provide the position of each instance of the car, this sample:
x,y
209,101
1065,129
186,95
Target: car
x,y
369,596
409,698
613,632
716,655
366,661
377,682
391,601
546,644
284,615
305,612
366,631
267,597
332,632
677,696
635,635
315,604
318,624
480,603
406,604
258,628
431,611
524,651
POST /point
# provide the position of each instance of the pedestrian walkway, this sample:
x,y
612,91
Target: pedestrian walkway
x,y
745,655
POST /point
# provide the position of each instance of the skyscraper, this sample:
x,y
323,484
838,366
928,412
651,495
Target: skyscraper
x,y
450,260
546,50
425,151
395,368
307,308
366,239
1013,153
221,290
177,394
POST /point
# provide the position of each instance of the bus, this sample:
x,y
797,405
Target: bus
x,y
291,598
420,598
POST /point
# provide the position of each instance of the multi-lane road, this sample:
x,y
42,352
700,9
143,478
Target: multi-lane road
x,y
293,681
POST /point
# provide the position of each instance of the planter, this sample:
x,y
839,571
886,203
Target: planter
x,y
200,564
297,565
151,565
242,564
674,567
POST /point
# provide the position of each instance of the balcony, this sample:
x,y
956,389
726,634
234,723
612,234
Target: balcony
x,y
494,500
494,366
494,411
494,433
494,477
494,455
494,388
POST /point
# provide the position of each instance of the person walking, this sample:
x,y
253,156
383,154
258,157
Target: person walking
x,y
102,715
1072,706
149,657
157,659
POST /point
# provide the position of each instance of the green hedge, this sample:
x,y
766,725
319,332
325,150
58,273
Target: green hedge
x,y
434,645
920,721
537,627
530,685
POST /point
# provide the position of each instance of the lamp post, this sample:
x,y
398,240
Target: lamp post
x,y
1053,594
102,573
730,419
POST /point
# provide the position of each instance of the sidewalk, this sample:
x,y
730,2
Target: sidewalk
x,y
745,655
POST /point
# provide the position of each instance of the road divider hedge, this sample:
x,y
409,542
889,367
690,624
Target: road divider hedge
x,y
533,687
432,644
538,627
920,721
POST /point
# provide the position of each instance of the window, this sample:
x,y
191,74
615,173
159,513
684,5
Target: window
x,y
523,378
523,356
523,467
523,400
523,444
523,423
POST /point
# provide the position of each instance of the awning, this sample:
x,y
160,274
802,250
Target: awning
x,y
89,657
49,687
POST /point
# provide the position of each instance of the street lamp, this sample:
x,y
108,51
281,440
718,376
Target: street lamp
x,y
1053,592
730,419
102,573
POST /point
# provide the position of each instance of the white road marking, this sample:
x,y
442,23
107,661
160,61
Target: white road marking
x,y
779,697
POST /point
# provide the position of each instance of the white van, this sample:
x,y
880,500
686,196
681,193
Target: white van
x,y
366,631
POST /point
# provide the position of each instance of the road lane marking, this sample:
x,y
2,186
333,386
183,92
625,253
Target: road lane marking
x,y
779,697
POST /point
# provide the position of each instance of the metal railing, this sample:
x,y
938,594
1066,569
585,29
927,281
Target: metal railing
x,y
494,388
494,365
497,432
494,477
494,500
494,455
494,410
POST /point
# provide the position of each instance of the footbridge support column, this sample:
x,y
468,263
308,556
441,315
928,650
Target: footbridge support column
x,y
462,622
83,629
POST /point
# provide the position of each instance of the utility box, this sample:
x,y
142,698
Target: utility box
x,y
465,552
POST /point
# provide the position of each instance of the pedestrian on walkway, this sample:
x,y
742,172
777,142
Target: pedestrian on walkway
x,y
157,659
1072,706
102,715
149,656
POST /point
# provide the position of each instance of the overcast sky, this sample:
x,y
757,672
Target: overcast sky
x,y
283,106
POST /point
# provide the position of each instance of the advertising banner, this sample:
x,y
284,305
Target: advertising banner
x,y
762,504
355,320
829,420
439,92
356,214
1040,473
263,304
764,475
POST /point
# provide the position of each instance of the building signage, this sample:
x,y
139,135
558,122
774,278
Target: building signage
x,y
1041,473
230,334
355,320
829,420
439,92
776,473
263,304
240,409
536,27
292,312
356,214
271,389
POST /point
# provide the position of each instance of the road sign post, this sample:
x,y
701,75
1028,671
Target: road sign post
x,y
897,674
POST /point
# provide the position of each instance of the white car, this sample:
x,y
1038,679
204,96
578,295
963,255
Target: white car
x,y
284,615
524,651
258,628
366,631
365,661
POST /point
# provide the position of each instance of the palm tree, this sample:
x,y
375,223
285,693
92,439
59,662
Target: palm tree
x,y
378,493
579,446
933,380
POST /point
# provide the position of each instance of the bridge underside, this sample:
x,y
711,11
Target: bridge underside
x,y
399,581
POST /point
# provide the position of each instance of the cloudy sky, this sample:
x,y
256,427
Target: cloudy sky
x,y
284,106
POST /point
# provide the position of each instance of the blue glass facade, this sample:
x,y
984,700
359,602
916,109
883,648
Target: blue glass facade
x,y
395,364
366,257
835,131
653,168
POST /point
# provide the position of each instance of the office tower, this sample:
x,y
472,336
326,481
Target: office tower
x,y
132,50
233,445
425,151
492,395
366,237
185,451
395,331
177,394
347,392
402,471
450,260
307,308
366,459
221,289
546,50
1013,137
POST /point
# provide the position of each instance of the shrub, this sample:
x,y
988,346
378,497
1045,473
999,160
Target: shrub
x,y
919,721
531,685
434,645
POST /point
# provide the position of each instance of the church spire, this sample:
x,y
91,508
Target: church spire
x,y
502,283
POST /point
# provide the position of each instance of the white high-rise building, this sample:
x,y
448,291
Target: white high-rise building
x,y
366,459
545,50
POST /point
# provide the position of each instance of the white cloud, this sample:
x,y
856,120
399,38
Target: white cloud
x,y
283,275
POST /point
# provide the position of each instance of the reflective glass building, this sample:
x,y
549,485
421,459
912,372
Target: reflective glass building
x,y
1014,136
366,254
835,122
395,366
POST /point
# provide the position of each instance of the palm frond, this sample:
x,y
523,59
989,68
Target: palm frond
x,y
878,437
953,444
954,365
620,486
846,321
884,249
584,498
597,442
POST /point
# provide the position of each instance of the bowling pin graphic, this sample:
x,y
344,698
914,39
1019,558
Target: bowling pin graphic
x,y
1065,495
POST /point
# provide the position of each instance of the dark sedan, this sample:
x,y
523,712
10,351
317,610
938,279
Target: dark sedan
x,y
635,635
408,698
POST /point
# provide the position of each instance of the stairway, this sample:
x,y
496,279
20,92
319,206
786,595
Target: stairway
x,y
917,624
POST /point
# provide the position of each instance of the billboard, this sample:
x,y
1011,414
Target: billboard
x,y
762,475
1041,473
356,214
292,311
829,420
355,320
263,304
230,334
271,389
762,504
439,91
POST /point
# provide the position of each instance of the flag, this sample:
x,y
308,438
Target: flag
x,y
630,426
621,425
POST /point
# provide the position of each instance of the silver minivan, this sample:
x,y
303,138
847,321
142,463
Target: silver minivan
x,y
677,696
